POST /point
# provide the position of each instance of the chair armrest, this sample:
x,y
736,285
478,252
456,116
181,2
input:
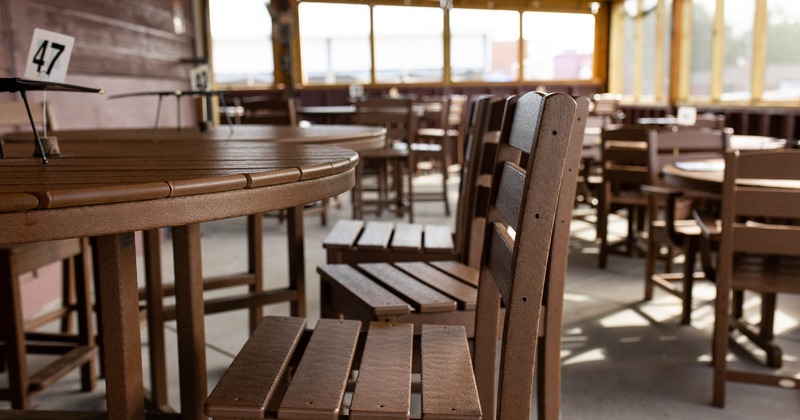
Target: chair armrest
x,y
709,225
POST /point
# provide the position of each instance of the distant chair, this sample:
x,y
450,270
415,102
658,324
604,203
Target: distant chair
x,y
388,166
759,252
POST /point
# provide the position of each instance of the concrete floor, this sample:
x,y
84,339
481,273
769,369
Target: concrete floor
x,y
622,358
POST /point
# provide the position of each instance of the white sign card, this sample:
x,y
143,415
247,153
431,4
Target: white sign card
x,y
200,78
687,115
48,57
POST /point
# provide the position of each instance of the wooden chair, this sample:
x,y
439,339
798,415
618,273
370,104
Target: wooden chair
x,y
624,156
670,224
759,252
352,241
390,165
74,350
445,292
259,383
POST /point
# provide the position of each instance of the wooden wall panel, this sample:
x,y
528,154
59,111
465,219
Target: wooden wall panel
x,y
121,46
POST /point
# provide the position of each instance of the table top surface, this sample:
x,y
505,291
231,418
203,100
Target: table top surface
x,y
356,137
708,176
101,187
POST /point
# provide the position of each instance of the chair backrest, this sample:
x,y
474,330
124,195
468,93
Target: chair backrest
x,y
709,120
761,205
277,111
485,119
625,156
667,146
396,115
527,183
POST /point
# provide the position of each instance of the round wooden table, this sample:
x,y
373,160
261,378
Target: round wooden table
x,y
356,137
111,189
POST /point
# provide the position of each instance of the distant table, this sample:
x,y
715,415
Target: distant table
x,y
659,121
109,189
708,175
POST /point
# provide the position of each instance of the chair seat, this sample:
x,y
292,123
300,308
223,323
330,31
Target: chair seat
x,y
354,241
443,292
253,386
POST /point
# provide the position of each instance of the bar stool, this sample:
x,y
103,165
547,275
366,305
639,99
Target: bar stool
x,y
74,350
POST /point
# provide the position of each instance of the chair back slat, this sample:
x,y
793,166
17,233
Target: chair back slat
x,y
757,238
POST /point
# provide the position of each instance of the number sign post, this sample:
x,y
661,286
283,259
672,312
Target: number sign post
x,y
48,57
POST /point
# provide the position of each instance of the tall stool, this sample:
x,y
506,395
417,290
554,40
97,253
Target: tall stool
x,y
74,350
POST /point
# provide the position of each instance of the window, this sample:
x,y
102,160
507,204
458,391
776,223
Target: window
x,y
703,12
782,69
738,50
334,43
551,53
241,41
484,45
409,46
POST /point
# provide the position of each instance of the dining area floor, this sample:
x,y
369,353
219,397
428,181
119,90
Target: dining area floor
x,y
622,357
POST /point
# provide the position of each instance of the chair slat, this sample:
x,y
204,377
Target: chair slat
x,y
376,235
500,259
527,117
344,234
763,238
438,238
383,388
458,270
251,380
381,301
760,202
407,237
464,294
509,193
448,383
318,384
422,297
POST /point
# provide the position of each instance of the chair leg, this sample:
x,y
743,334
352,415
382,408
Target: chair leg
x,y
255,260
720,346
767,329
68,279
297,276
14,334
650,266
690,255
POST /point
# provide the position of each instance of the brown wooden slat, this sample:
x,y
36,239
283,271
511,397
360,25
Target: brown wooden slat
x,y
458,270
500,259
422,297
343,234
54,371
448,383
103,195
250,381
407,237
464,294
382,301
318,384
383,388
763,238
509,193
376,235
17,201
207,185
438,238
767,202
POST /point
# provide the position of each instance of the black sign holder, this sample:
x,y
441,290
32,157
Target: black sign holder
x,y
16,84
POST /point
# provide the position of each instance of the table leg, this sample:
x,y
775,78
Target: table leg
x,y
119,305
297,260
191,324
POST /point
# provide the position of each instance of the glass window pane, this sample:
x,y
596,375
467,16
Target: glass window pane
x,y
630,50
553,54
702,27
484,45
738,59
649,25
782,70
334,43
408,44
667,49
241,42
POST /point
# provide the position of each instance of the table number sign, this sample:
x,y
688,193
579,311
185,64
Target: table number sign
x,y
48,57
200,78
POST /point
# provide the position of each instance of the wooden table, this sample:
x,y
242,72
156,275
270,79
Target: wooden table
x,y
355,137
111,189
707,176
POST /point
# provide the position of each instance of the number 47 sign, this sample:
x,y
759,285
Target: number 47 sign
x,y
48,57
